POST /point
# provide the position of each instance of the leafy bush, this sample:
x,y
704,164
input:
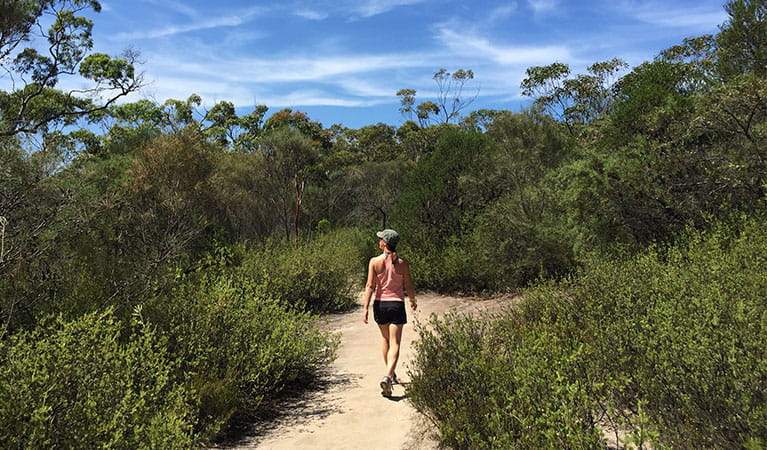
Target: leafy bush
x,y
320,275
501,384
520,239
665,346
70,384
444,268
238,347
682,332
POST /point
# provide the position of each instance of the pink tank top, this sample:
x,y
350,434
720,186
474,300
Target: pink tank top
x,y
390,285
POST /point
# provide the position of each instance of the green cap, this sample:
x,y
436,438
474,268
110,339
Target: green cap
x,y
391,238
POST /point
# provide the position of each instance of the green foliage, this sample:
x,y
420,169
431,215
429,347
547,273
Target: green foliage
x,y
743,38
682,332
71,383
36,105
578,100
665,347
238,347
519,239
431,204
501,384
319,275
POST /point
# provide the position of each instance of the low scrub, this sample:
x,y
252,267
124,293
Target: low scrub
x,y
238,350
318,275
83,383
665,347
219,343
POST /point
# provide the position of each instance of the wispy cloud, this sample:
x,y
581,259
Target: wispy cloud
x,y
467,44
367,88
344,79
370,8
174,5
233,20
311,14
655,13
503,12
542,6
290,69
319,98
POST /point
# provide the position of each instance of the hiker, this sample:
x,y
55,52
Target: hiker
x,y
389,277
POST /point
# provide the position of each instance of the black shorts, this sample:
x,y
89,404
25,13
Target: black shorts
x,y
386,312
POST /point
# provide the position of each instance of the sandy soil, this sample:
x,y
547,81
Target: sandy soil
x,y
347,411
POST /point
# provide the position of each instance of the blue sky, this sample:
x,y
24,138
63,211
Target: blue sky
x,y
342,61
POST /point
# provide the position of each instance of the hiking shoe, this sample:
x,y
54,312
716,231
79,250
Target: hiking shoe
x,y
386,387
394,379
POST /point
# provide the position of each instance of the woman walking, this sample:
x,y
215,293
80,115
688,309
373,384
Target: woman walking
x,y
389,278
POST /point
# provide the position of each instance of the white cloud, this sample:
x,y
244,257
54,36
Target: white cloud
x,y
289,80
370,8
176,6
311,14
318,98
696,17
503,12
467,45
291,68
212,22
367,88
541,6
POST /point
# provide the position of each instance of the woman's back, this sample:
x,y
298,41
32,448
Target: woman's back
x,y
389,284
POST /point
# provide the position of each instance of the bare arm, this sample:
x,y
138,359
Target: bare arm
x,y
370,287
409,285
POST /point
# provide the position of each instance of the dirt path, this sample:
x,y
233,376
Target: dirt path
x,y
348,411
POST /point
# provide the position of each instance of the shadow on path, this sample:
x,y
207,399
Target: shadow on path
x,y
293,408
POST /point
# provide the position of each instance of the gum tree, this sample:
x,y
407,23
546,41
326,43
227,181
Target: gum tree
x,y
35,61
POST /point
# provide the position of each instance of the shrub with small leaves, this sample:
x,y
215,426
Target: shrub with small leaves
x,y
91,382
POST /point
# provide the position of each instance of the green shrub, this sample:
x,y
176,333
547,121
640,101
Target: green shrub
x,y
520,239
500,384
446,268
83,382
682,332
238,348
319,275
667,346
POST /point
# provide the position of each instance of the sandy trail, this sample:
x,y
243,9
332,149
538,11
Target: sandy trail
x,y
347,410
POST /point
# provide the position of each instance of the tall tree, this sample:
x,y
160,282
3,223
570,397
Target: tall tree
x,y
450,100
34,103
291,158
743,38
574,100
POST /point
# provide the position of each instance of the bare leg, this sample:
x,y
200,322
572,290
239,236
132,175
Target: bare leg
x,y
395,336
385,342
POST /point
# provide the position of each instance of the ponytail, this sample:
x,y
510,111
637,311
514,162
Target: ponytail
x,y
393,252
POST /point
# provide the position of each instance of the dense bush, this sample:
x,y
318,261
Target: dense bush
x,y
666,346
70,384
237,347
224,340
501,384
322,274
520,239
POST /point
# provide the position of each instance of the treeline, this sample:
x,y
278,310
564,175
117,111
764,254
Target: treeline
x,y
161,267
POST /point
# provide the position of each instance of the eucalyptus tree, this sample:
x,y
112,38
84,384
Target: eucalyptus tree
x,y
35,60
575,100
450,99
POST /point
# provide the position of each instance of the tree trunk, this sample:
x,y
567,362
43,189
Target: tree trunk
x,y
383,217
299,196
